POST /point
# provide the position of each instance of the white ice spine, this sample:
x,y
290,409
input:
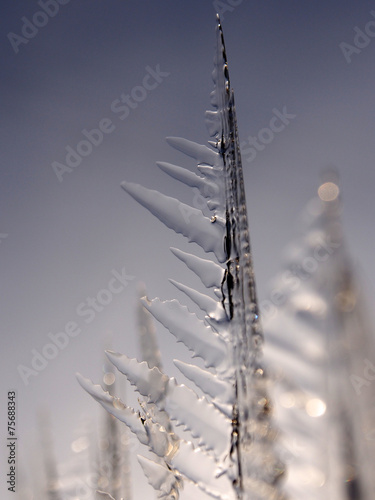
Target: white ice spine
x,y
253,436
232,453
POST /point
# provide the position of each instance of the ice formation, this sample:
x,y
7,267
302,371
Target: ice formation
x,y
230,425
316,341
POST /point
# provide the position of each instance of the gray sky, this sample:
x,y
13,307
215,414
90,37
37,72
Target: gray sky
x,y
61,242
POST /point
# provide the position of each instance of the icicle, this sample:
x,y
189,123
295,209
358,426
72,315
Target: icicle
x,y
189,461
151,354
181,403
206,187
209,383
213,122
209,272
101,495
320,339
181,218
201,418
201,153
149,382
149,433
203,471
162,479
258,468
230,339
190,330
115,407
213,308
209,171
147,334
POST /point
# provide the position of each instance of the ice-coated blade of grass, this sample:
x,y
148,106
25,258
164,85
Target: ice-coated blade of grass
x,y
210,273
258,467
235,456
182,404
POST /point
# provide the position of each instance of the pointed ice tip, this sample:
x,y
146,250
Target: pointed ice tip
x,y
146,462
85,383
155,473
177,363
219,26
129,187
133,189
171,140
145,301
112,354
221,51
102,495
141,459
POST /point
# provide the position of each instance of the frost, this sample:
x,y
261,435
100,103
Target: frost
x,y
220,391
115,407
189,178
180,402
162,479
147,335
313,343
101,495
232,453
193,332
213,308
319,347
199,152
180,217
210,274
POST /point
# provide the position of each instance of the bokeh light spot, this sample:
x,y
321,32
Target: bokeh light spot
x,y
328,191
315,407
109,378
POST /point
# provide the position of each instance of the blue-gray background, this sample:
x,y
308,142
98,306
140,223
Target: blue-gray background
x,y
64,238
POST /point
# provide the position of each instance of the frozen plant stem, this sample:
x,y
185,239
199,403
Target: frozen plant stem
x,y
252,435
231,453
